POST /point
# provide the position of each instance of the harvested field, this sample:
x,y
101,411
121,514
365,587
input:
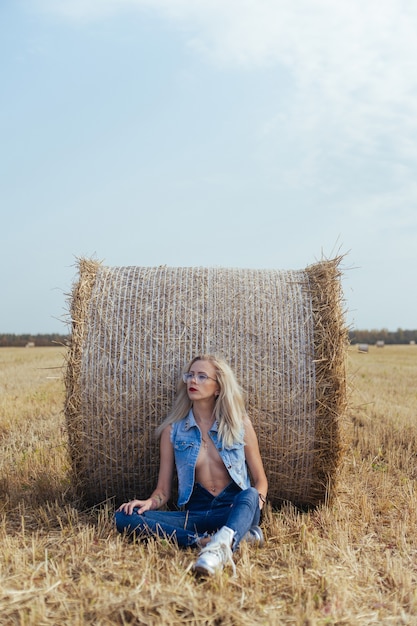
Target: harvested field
x,y
353,562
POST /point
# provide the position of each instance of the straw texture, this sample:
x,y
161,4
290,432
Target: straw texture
x,y
133,329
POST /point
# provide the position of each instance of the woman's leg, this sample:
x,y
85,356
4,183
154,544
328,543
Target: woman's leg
x,y
236,509
186,527
244,514
180,526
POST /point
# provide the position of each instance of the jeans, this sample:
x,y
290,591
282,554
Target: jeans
x,y
238,509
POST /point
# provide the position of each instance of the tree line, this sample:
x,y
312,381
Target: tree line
x,y
20,341
388,337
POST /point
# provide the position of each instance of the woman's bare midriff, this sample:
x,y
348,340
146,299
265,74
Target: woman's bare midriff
x,y
210,471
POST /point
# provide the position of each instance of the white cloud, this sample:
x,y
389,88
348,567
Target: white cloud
x,y
362,47
351,60
351,63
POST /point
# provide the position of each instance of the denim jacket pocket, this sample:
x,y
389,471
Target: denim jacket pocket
x,y
234,455
235,462
184,453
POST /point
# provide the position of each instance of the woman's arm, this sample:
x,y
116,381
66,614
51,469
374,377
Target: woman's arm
x,y
254,461
166,468
162,492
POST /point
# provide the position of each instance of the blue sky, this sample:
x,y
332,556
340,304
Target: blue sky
x,y
236,133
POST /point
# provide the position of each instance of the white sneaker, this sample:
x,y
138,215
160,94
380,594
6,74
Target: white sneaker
x,y
254,535
216,554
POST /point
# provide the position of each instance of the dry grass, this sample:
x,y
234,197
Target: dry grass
x,y
352,563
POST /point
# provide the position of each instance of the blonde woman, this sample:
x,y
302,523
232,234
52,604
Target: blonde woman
x,y
211,442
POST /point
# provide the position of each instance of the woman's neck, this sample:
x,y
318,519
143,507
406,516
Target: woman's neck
x,y
203,413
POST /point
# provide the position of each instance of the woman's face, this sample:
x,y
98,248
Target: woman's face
x,y
199,389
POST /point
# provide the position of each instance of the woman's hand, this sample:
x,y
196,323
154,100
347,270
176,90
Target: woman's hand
x,y
262,500
141,505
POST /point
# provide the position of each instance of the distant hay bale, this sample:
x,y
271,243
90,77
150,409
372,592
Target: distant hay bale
x,y
134,328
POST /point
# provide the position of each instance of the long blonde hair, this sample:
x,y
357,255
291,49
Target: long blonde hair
x,y
229,410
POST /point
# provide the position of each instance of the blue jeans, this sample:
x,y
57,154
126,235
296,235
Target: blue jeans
x,y
205,513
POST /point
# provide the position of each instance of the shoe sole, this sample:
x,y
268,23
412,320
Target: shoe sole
x,y
255,537
260,540
203,571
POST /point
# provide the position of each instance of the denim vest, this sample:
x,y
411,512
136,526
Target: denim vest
x,y
186,440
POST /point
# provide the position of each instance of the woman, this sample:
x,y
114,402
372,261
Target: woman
x,y
210,440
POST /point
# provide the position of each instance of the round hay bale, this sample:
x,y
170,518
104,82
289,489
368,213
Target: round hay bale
x,y
134,328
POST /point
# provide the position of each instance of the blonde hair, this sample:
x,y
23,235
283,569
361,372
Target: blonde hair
x,y
229,410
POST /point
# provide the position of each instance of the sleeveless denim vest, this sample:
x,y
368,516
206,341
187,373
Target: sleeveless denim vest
x,y
186,441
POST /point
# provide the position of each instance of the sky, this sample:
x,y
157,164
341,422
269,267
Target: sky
x,y
231,133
